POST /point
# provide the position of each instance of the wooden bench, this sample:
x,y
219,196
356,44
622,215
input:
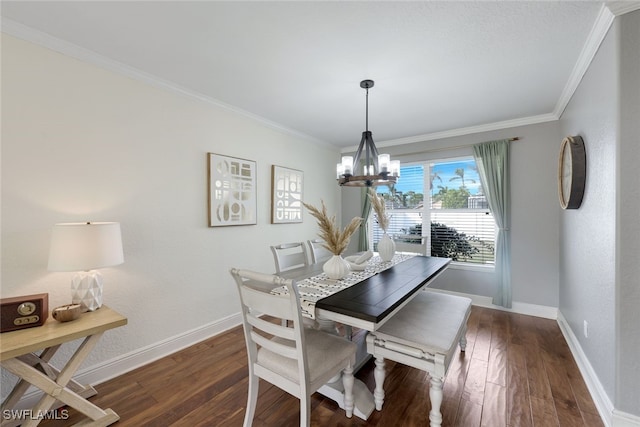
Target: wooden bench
x,y
424,334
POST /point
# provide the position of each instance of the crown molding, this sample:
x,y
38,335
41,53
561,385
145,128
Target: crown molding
x,y
621,7
596,36
506,124
601,26
40,38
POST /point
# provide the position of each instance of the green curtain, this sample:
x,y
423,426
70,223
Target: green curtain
x,y
492,160
363,240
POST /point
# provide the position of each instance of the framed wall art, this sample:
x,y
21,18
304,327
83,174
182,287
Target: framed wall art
x,y
232,191
286,195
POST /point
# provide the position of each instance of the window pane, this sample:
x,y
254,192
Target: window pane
x,y
462,227
456,211
456,185
465,235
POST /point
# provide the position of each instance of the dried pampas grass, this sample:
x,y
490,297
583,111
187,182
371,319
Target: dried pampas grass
x,y
335,241
377,202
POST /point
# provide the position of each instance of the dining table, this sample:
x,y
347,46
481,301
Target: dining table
x,y
365,299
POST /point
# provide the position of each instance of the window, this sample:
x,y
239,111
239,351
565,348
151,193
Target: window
x,y
453,207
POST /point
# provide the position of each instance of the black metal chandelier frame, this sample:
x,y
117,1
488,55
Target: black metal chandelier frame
x,y
374,174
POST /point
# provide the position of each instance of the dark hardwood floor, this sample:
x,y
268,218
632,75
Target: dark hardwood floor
x,y
517,371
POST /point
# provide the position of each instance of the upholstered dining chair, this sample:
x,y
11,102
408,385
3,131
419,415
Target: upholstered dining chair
x,y
296,359
289,255
317,251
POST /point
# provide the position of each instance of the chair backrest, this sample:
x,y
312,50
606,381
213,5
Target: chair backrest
x,y
318,252
289,255
284,341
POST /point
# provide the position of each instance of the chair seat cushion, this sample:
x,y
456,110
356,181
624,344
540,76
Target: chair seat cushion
x,y
325,352
430,322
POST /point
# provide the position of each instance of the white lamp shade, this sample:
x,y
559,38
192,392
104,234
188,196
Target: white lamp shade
x,y
85,246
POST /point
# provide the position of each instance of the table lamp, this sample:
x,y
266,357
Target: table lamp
x,y
83,247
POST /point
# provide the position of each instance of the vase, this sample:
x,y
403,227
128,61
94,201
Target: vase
x,y
336,268
386,248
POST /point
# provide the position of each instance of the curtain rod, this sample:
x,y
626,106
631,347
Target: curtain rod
x,y
455,147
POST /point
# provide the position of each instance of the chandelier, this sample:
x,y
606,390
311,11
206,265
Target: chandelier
x,y
377,169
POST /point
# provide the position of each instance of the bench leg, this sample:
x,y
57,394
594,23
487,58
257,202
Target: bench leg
x,y
435,394
379,374
463,339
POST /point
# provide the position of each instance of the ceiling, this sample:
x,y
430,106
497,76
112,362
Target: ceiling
x,y
297,65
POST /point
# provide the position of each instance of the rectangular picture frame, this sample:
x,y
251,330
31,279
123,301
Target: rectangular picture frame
x,y
287,187
232,191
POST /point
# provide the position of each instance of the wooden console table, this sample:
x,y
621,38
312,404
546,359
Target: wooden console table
x,y
20,358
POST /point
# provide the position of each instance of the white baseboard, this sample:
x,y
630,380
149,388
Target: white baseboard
x,y
622,419
598,394
517,307
118,366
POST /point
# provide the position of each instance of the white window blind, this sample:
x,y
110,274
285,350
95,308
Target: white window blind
x,y
454,221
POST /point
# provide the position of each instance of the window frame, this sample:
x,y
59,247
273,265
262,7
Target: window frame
x,y
425,212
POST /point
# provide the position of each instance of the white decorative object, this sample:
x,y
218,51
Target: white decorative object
x,y
84,247
386,248
336,268
359,262
232,191
86,290
286,195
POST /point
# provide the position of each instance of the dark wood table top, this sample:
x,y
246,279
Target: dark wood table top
x,y
368,303
378,296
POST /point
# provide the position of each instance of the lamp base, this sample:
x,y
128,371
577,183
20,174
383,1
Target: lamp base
x,y
86,290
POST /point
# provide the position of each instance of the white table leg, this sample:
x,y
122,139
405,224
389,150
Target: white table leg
x,y
334,389
379,375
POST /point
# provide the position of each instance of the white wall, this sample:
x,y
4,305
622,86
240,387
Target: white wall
x,y
600,242
80,143
587,235
628,226
534,215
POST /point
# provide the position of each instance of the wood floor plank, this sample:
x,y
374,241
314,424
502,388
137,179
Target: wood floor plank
x,y
537,376
543,413
453,387
497,369
482,345
563,397
469,414
494,406
580,390
528,378
518,403
475,383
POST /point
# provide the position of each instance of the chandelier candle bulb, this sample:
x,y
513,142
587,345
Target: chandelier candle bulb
x,y
395,168
347,165
383,162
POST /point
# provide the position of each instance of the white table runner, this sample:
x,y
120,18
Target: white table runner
x,y
317,287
